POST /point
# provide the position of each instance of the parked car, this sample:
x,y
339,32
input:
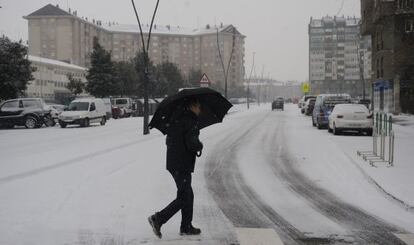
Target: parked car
x,y
350,117
323,107
303,100
366,102
308,107
108,107
117,112
84,112
28,112
124,104
278,104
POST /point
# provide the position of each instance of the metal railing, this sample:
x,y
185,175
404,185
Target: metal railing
x,y
383,141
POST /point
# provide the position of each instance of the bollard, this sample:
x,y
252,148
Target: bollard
x,y
392,142
381,152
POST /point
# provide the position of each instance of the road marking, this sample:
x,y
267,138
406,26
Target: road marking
x,y
248,236
407,238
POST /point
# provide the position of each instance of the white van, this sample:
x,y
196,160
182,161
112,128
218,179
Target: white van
x,y
84,112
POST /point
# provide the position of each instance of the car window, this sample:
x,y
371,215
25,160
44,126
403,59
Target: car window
x,y
93,107
121,101
10,106
78,106
31,104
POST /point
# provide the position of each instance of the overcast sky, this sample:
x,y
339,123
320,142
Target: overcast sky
x,y
276,30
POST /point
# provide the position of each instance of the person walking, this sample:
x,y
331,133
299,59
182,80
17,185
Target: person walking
x,y
183,145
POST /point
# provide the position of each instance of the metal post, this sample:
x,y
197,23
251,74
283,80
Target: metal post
x,y
392,147
145,49
248,83
226,72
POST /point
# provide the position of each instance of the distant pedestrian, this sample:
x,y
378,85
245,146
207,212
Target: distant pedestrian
x,y
183,145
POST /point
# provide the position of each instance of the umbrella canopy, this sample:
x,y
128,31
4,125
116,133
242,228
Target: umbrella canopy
x,y
213,108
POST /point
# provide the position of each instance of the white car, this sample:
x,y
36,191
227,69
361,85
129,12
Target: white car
x,y
84,112
350,117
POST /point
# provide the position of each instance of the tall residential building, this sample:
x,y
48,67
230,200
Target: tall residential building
x,y
62,35
391,26
338,56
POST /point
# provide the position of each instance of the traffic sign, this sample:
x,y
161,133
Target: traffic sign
x,y
305,88
205,82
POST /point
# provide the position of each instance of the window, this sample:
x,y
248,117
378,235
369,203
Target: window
x,y
409,26
10,106
30,104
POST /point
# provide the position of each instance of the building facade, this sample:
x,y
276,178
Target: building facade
x,y
62,35
50,79
391,26
339,59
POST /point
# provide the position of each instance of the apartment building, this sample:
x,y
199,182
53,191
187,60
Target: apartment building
x,y
51,79
62,35
391,26
339,59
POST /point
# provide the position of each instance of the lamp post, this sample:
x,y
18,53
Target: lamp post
x,y
248,83
145,51
360,54
226,71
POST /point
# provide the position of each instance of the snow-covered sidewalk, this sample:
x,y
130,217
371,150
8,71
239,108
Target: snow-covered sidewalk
x,y
333,163
397,181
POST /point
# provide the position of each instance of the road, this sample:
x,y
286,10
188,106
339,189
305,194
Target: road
x,y
98,185
243,204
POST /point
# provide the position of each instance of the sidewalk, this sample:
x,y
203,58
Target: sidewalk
x,y
398,181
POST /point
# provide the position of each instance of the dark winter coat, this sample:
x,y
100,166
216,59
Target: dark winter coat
x,y
183,143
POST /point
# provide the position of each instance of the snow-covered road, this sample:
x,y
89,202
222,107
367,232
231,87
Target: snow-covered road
x,y
260,169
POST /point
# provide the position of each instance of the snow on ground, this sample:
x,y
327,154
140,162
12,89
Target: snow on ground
x,y
98,185
93,185
404,120
332,162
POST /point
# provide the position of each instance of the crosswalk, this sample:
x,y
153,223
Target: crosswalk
x,y
254,236
251,236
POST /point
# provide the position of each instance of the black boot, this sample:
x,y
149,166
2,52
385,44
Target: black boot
x,y
156,225
189,230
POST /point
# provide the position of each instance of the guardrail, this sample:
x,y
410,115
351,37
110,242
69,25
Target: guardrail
x,y
383,141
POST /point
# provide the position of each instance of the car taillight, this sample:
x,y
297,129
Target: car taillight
x,y
339,116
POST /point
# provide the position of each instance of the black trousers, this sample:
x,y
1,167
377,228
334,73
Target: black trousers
x,y
184,200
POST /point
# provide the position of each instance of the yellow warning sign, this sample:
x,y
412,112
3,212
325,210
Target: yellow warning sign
x,y
305,87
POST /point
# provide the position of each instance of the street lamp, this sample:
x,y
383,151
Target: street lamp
x,y
145,51
226,72
248,83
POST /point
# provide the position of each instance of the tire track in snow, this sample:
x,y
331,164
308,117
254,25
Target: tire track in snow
x,y
71,161
367,229
238,201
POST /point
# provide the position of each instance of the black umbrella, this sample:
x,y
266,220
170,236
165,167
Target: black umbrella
x,y
213,108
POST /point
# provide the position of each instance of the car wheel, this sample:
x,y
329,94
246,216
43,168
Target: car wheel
x,y
30,122
335,130
329,129
103,121
62,124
